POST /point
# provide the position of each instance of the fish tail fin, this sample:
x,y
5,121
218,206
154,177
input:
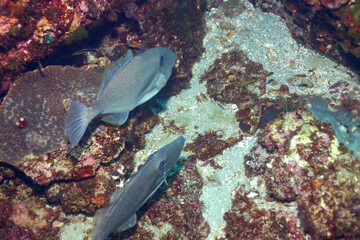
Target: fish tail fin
x,y
76,122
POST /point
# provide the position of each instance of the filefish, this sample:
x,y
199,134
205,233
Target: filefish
x,y
125,202
125,85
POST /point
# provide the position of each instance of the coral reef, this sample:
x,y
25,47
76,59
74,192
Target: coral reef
x,y
25,39
33,113
34,109
331,27
85,196
346,123
209,145
300,159
25,214
247,220
234,78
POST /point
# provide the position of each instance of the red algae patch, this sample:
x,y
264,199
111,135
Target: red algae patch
x,y
84,196
32,114
24,214
301,161
247,220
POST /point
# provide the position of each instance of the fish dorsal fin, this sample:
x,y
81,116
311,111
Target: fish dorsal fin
x,y
112,69
128,224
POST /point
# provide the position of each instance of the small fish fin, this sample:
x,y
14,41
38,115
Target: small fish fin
x,y
102,213
76,122
128,224
99,215
166,182
112,69
116,118
160,83
99,70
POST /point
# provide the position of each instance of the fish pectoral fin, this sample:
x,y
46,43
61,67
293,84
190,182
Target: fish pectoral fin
x,y
128,224
158,85
116,118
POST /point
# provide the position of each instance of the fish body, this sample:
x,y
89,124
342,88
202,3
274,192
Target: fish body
x,y
125,85
121,212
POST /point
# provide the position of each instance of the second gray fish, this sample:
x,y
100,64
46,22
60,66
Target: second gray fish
x,y
126,84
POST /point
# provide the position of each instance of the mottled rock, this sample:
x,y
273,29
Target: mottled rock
x,y
32,115
301,160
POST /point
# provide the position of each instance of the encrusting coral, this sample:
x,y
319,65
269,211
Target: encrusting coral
x,y
33,113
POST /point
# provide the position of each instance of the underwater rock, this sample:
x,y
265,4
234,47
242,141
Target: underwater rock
x,y
25,215
26,39
32,121
329,206
302,161
206,146
32,115
331,27
345,122
248,220
234,78
85,196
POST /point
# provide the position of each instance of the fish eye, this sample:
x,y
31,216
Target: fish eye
x,y
162,165
162,60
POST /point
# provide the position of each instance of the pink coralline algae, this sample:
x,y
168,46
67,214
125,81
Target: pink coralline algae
x,y
85,196
247,220
23,215
16,232
301,160
24,39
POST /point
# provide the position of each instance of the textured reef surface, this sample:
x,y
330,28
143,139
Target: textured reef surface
x,y
332,27
272,127
31,29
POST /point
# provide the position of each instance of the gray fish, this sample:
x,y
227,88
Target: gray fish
x,y
121,212
126,84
